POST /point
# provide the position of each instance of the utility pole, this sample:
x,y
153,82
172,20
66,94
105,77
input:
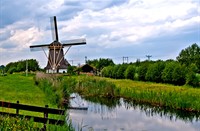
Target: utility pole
x,y
26,68
148,56
85,59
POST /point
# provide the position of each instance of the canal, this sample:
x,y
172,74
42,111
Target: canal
x,y
122,115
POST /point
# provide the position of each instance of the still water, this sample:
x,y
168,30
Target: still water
x,y
120,115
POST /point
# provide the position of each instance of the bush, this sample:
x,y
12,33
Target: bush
x,y
179,75
121,70
142,70
167,72
11,70
130,72
154,72
191,77
114,71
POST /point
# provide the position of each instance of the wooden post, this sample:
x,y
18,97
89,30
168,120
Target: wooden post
x,y
17,109
45,116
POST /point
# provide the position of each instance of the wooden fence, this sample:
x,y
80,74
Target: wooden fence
x,y
46,110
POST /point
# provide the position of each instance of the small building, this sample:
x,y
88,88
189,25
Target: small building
x,y
87,69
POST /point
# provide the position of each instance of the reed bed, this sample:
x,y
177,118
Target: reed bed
x,y
176,97
165,95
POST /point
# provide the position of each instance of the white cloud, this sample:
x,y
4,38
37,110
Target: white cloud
x,y
20,36
106,25
134,21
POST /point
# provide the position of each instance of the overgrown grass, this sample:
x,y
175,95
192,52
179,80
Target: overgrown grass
x,y
90,86
56,89
179,97
175,97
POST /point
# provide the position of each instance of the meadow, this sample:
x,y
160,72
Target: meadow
x,y
22,88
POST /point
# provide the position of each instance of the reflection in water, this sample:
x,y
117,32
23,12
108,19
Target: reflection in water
x,y
164,112
119,114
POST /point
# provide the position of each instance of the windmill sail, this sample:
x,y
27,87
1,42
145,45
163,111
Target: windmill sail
x,y
74,42
56,61
54,29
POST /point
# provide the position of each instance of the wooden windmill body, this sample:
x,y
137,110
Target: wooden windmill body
x,y
56,61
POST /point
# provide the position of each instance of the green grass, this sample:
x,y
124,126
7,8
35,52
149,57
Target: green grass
x,y
166,95
18,87
179,97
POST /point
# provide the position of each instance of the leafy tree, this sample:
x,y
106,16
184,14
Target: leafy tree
x,y
101,63
107,71
11,70
21,65
167,72
121,70
142,70
154,72
70,70
114,71
191,78
179,74
130,72
190,55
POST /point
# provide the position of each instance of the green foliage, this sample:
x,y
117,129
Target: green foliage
x,y
179,75
130,72
15,124
114,71
121,70
176,97
107,71
142,70
91,86
11,70
99,64
21,66
190,55
168,71
154,72
191,77
71,70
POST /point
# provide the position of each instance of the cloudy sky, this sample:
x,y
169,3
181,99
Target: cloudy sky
x,y
112,28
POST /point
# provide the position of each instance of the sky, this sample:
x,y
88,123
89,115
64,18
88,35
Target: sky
x,y
113,28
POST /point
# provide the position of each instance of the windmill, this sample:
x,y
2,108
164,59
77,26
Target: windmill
x,y
56,61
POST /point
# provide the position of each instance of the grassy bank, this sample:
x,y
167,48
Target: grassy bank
x,y
19,87
175,97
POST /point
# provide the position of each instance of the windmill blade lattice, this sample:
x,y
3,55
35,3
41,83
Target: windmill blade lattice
x,y
56,61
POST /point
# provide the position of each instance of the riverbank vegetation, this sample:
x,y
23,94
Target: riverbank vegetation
x,y
165,95
157,94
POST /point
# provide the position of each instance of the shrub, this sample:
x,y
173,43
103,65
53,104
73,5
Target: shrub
x,y
11,70
179,75
191,77
154,72
130,72
142,70
121,70
167,72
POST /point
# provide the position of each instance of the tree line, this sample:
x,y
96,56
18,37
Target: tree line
x,y
184,70
20,66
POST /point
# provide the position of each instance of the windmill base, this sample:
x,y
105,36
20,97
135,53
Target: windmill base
x,y
56,71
